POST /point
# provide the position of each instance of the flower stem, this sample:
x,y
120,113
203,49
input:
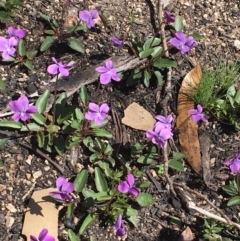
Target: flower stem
x,y
54,103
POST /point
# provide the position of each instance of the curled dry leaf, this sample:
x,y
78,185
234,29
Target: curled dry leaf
x,y
186,235
138,118
188,130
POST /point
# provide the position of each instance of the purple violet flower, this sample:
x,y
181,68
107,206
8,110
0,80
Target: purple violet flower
x,y
43,236
65,188
97,113
119,229
159,136
233,163
7,47
16,32
58,67
182,42
127,186
107,73
170,18
21,108
88,17
163,122
116,41
197,114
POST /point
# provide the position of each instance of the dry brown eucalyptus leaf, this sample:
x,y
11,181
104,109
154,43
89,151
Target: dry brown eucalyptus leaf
x,y
41,213
188,130
138,118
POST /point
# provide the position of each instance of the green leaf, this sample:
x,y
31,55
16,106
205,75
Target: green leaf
x,y
76,45
87,221
88,193
76,28
174,164
105,167
144,199
11,124
146,159
144,184
84,95
101,133
79,115
4,16
3,141
231,91
65,114
156,51
81,180
145,53
136,149
234,201
164,63
231,189
21,48
159,78
31,54
178,24
31,127
196,36
47,43
40,119
147,77
178,155
132,215
237,97
52,128
40,139
94,125
49,32
61,103
29,64
59,144
151,42
72,236
2,85
70,210
100,181
42,100
1,163
134,77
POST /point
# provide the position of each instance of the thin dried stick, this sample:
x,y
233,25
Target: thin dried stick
x,y
224,216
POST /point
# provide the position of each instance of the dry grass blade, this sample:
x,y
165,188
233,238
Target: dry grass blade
x,y
188,130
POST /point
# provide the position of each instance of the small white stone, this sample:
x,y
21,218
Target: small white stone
x,y
9,222
37,174
11,208
46,168
237,44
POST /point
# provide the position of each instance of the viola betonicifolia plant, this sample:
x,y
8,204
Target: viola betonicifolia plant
x,y
110,187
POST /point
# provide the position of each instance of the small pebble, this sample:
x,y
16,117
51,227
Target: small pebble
x,y
37,174
11,208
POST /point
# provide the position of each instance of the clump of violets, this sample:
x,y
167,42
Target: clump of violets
x,y
43,236
58,67
116,41
197,114
233,163
97,113
170,18
182,42
21,108
64,190
107,73
127,186
162,130
89,17
119,229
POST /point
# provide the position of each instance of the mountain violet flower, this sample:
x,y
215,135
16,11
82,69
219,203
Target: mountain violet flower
x,y
182,42
159,136
119,229
169,17
233,163
197,114
21,108
127,186
64,190
43,236
116,41
97,113
107,73
7,47
88,17
164,122
16,32
58,67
